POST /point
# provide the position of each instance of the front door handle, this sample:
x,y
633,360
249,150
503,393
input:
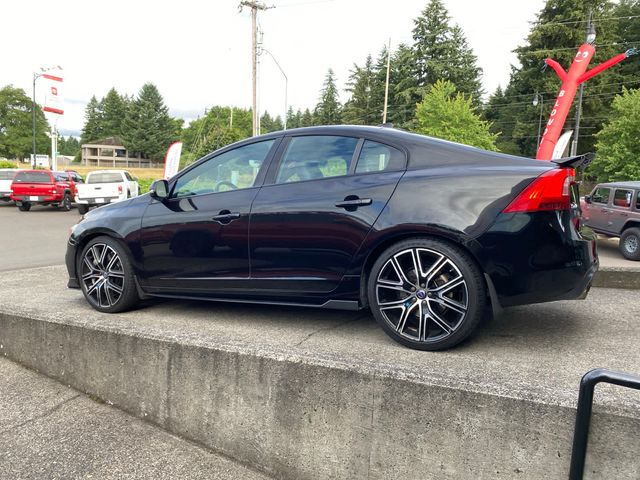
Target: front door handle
x,y
225,216
353,203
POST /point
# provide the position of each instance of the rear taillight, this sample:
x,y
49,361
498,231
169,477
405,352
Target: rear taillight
x,y
119,188
550,191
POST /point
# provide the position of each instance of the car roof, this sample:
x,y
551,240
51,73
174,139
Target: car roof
x,y
631,184
106,171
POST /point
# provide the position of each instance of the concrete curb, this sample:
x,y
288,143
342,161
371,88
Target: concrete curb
x,y
306,417
617,277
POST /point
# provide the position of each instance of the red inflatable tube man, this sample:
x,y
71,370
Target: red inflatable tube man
x,y
570,80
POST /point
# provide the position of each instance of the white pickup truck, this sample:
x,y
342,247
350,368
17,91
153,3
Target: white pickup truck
x,y
105,186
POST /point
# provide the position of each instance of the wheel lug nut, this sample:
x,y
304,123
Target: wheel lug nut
x,y
413,289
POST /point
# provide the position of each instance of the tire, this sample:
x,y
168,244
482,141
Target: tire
x,y
106,276
66,203
441,310
630,243
83,208
24,207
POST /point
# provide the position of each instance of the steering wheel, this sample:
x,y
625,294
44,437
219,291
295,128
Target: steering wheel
x,y
224,184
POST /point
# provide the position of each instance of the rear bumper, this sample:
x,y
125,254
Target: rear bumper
x,y
538,257
39,199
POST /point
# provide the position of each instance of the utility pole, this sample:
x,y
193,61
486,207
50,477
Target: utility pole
x,y
386,87
254,6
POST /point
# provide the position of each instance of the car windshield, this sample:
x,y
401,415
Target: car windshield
x,y
104,177
7,174
32,177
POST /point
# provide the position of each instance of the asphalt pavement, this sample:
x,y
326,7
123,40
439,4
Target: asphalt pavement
x,y
36,238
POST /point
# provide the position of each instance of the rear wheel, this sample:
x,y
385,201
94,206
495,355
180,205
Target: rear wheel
x,y
426,294
83,208
24,207
106,276
630,243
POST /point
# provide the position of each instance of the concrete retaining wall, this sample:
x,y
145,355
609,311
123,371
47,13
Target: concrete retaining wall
x,y
299,419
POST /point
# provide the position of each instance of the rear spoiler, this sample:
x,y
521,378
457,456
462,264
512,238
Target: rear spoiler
x,y
574,162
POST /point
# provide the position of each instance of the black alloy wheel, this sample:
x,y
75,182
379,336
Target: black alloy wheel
x,y
630,243
426,294
106,276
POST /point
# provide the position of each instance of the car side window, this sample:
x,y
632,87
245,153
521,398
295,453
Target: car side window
x,y
376,157
601,195
235,169
638,200
622,198
316,157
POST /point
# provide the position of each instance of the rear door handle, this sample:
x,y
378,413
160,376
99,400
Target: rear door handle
x,y
354,203
225,216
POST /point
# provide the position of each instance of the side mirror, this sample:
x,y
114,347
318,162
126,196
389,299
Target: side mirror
x,y
135,179
587,198
160,189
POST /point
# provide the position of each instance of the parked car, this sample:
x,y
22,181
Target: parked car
x,y
105,186
6,177
426,233
613,209
75,176
42,187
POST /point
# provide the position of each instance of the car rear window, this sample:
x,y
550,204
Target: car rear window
x,y
376,157
622,198
105,177
32,177
7,175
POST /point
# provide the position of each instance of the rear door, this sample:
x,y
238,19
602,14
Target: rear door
x,y
322,199
620,208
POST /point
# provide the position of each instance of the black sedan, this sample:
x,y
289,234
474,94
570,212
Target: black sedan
x,y
426,233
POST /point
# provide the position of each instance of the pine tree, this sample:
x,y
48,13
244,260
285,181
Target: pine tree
x,y
114,111
92,129
360,110
307,119
328,110
148,128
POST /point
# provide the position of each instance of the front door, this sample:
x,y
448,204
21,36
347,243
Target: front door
x,y
196,241
324,197
599,210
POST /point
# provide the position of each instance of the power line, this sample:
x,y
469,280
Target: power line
x,y
569,22
546,50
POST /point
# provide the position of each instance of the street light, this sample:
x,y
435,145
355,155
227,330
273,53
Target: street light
x,y
33,109
538,98
286,85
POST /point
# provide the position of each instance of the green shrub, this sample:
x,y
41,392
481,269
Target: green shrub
x,y
8,164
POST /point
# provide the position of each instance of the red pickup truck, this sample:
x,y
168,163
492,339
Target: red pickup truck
x,y
42,187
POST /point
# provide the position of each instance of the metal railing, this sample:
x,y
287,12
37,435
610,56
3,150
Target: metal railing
x,y
583,414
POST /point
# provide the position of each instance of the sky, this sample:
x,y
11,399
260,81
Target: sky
x,y
198,52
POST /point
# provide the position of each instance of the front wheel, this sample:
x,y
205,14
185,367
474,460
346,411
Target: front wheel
x,y
630,243
106,276
426,294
